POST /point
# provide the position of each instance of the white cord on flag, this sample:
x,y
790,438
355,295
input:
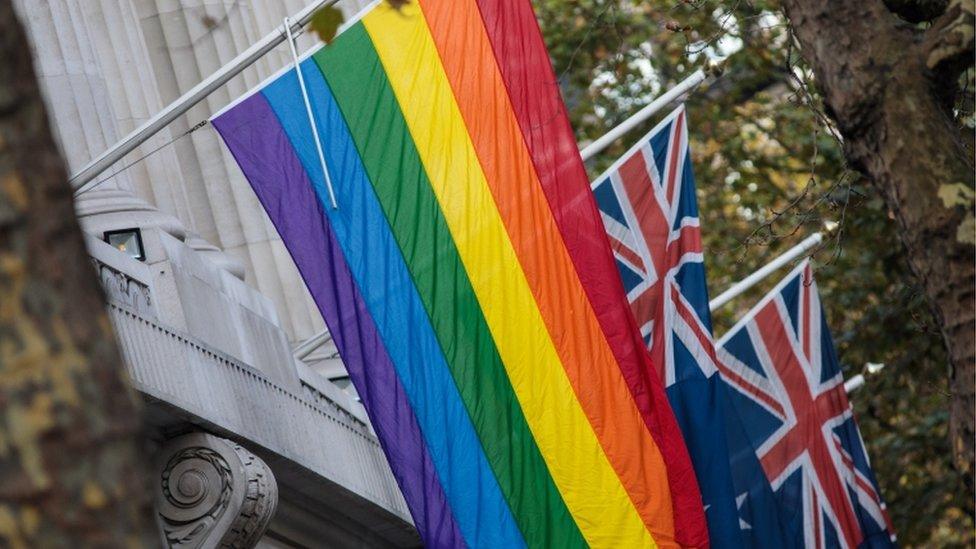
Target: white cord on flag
x,y
308,110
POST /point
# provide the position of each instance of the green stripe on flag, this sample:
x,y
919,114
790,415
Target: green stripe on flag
x,y
359,83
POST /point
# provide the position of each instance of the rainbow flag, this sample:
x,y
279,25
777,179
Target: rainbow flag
x,y
467,281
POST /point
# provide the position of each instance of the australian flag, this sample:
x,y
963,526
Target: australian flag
x,y
786,386
648,205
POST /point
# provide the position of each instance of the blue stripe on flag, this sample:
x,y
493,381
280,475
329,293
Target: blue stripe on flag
x,y
376,262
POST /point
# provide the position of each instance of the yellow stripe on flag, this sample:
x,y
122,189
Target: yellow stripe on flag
x,y
593,493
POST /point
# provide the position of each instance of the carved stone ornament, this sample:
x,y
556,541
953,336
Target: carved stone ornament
x,y
212,493
124,289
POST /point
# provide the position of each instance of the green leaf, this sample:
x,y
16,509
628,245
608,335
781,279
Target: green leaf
x,y
325,23
956,194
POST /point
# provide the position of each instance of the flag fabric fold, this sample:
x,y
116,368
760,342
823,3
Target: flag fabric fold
x,y
505,379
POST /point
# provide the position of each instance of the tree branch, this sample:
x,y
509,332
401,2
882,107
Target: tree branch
x,y
743,85
947,48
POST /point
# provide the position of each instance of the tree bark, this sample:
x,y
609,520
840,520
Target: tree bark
x,y
889,88
71,473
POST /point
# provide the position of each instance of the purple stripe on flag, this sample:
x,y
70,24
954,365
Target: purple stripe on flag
x,y
276,174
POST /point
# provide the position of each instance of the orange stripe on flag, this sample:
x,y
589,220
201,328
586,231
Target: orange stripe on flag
x,y
597,380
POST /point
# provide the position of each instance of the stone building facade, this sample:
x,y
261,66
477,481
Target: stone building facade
x,y
255,444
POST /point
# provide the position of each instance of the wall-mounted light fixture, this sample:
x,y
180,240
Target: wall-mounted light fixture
x,y
127,241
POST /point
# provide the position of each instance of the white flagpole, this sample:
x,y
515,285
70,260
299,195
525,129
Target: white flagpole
x,y
308,111
309,345
81,180
640,116
854,383
754,278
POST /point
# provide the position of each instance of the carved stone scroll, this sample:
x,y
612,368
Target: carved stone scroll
x,y
212,493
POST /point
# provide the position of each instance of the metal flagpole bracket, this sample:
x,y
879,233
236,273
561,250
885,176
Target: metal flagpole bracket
x,y
308,111
858,381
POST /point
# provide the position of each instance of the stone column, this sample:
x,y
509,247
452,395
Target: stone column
x,y
84,74
108,65
121,49
187,42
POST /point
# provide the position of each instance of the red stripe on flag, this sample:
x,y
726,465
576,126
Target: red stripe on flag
x,y
534,92
651,221
688,241
816,517
674,153
626,253
807,314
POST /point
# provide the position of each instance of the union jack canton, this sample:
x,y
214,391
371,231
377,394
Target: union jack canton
x,y
788,390
650,212
648,205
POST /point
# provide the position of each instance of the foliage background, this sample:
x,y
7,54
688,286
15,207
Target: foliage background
x,y
770,172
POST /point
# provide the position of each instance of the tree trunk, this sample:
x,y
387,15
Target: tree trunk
x,y
71,474
889,87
